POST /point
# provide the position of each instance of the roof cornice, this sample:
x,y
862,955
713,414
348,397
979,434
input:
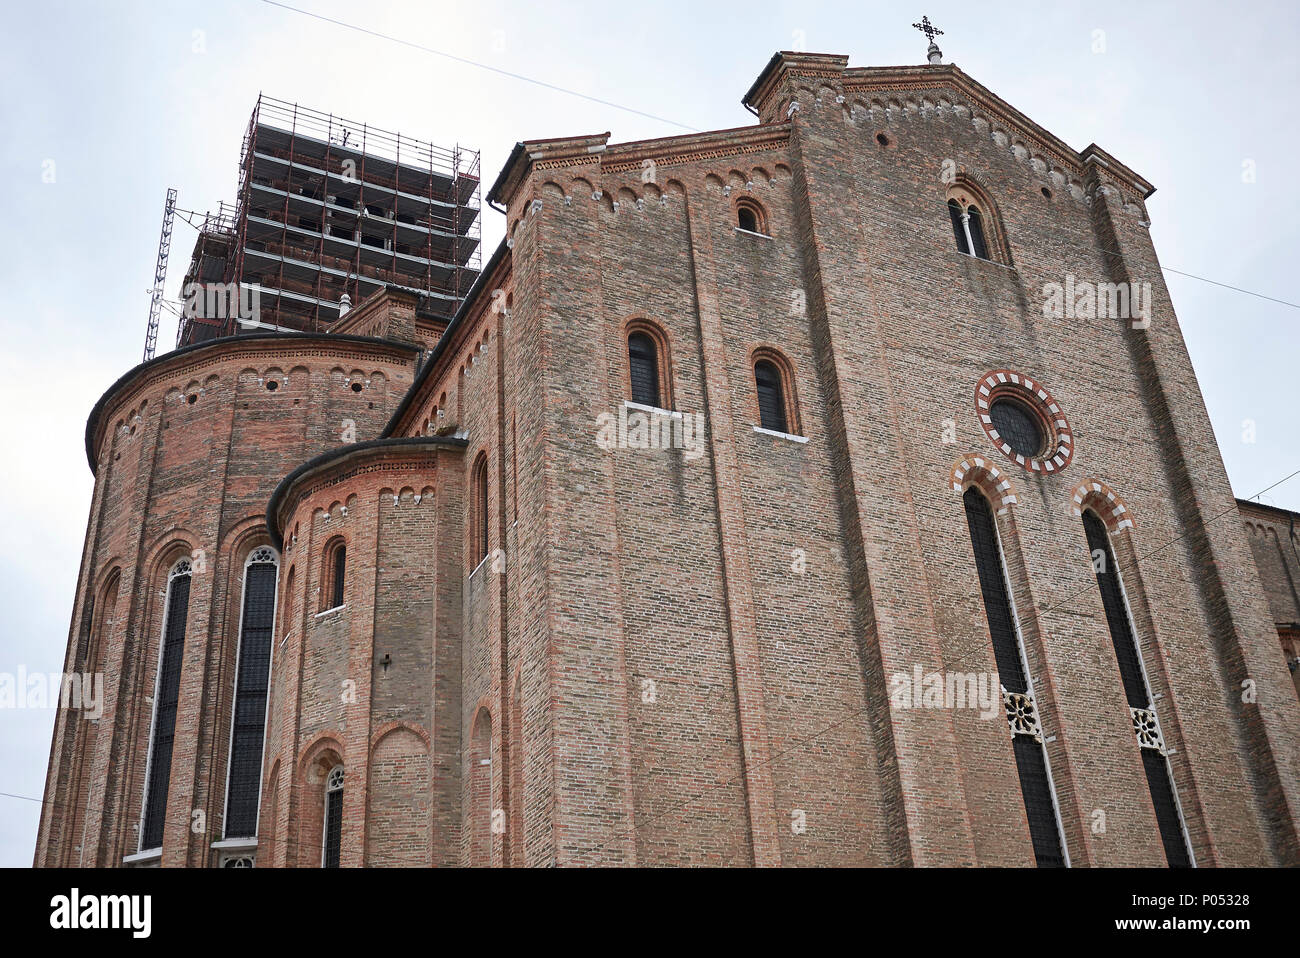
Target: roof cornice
x,y
911,79
617,158
527,152
493,274
693,146
904,80
1265,507
792,62
334,460
259,344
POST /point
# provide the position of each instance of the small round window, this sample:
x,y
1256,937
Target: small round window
x,y
1018,426
1024,421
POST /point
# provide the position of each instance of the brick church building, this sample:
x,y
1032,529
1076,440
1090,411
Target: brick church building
x,y
833,490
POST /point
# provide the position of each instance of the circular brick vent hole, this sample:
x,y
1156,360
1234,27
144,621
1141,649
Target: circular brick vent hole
x,y
882,139
356,387
191,399
272,385
1047,192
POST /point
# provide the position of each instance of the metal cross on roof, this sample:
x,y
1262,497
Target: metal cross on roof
x,y
928,28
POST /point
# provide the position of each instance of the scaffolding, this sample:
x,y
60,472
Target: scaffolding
x,y
156,297
327,207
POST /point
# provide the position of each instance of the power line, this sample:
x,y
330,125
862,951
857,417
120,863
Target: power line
x,y
856,713
627,109
1248,292
482,66
1166,269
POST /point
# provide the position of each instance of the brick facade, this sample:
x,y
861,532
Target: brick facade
x,y
1274,536
684,654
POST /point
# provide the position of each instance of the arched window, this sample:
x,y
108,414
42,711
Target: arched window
x,y
171,652
334,574
1155,761
1017,691
750,216
479,511
970,223
252,679
649,364
332,831
771,397
778,409
643,368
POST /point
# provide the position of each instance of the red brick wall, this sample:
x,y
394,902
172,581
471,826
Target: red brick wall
x,y
1273,535
672,658
652,566
175,478
367,678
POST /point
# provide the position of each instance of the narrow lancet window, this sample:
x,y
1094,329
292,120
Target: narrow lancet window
x,y
1017,692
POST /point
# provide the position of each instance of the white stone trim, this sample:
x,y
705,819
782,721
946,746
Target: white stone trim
x,y
653,410
781,435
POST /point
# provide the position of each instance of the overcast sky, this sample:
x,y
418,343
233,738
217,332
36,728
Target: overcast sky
x,y
117,106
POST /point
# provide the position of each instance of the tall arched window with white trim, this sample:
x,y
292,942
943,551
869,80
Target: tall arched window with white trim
x,y
1017,690
162,732
252,679
332,832
1137,689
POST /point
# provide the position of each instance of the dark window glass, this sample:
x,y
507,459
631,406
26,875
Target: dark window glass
x,y
333,827
993,588
481,513
1121,633
87,619
1162,797
340,573
954,211
1018,426
250,701
746,219
1124,642
977,232
1032,770
643,360
164,731
771,401
1031,763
